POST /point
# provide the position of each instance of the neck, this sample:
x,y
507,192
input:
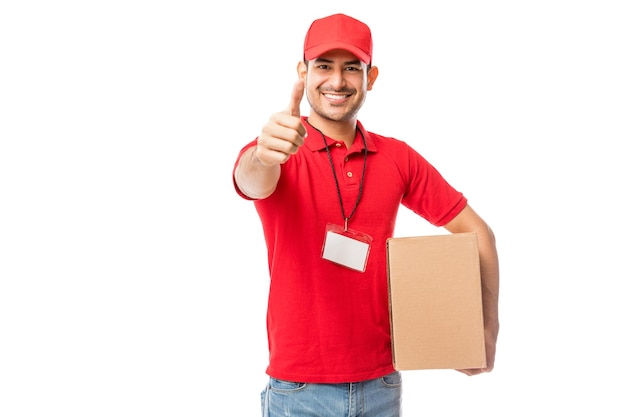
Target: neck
x,y
344,131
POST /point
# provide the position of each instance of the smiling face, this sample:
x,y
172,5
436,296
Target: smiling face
x,y
337,83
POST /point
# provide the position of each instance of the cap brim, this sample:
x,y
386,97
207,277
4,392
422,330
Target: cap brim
x,y
316,51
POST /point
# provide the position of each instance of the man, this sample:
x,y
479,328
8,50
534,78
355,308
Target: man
x,y
327,192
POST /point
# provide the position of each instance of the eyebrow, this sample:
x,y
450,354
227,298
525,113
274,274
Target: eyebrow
x,y
328,61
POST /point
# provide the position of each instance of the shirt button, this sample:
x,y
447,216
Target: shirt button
x,y
346,159
349,174
338,145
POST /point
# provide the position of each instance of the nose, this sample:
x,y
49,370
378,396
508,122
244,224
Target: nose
x,y
336,79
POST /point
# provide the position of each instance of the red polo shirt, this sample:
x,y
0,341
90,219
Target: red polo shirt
x,y
327,323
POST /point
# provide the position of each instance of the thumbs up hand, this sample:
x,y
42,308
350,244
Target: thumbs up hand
x,y
284,133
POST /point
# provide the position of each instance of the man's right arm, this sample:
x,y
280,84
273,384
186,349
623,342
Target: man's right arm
x,y
255,179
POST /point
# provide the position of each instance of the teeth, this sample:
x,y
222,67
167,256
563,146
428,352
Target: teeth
x,y
336,96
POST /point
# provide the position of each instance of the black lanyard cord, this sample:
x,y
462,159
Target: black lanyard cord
x,y
332,167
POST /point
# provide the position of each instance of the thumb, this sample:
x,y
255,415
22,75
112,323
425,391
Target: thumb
x,y
296,98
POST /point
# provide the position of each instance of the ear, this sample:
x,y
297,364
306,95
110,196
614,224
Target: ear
x,y
372,74
302,70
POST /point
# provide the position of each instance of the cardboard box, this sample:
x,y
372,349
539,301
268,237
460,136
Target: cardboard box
x,y
435,302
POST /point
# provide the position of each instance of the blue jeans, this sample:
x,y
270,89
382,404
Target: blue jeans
x,y
379,397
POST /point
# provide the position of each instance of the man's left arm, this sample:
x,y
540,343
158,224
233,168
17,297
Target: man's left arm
x,y
469,221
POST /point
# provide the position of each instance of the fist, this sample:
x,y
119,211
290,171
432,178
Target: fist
x,y
284,133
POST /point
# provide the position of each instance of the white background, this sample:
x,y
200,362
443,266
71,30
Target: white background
x,y
133,280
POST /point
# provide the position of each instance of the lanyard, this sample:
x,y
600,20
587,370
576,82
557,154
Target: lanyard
x,y
332,167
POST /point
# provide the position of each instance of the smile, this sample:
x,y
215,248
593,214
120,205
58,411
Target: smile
x,y
336,96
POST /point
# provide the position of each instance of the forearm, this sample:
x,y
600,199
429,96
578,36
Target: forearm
x,y
490,279
469,221
490,284
255,179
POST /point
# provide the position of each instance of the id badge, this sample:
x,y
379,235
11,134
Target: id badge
x,y
346,247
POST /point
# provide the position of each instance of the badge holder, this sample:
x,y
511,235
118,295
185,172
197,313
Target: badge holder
x,y
346,247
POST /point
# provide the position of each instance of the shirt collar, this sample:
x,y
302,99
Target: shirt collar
x,y
315,142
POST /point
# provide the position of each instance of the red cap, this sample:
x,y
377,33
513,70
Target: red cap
x,y
338,32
